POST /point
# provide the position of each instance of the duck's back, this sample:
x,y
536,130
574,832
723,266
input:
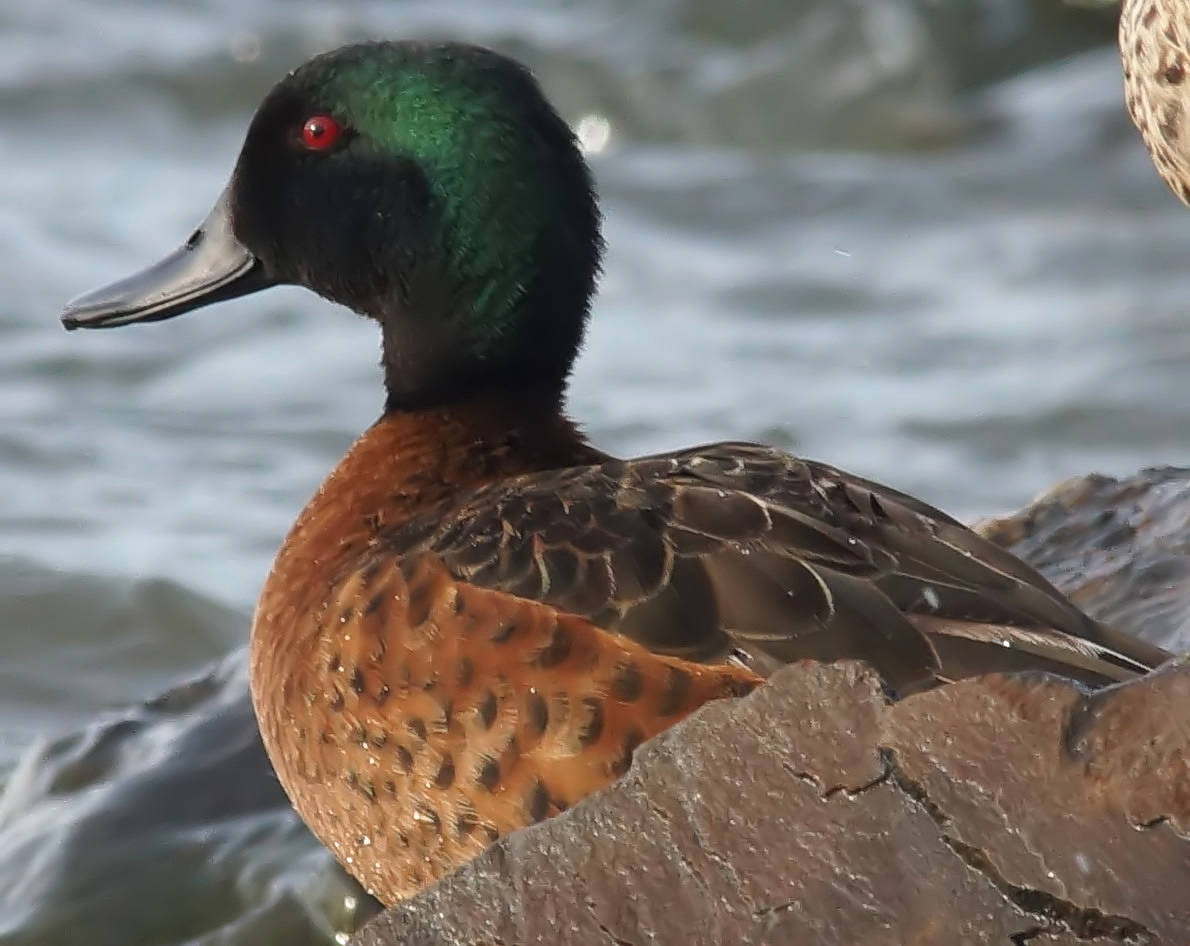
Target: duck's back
x,y
737,551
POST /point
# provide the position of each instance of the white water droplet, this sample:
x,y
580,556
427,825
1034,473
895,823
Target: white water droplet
x,y
594,133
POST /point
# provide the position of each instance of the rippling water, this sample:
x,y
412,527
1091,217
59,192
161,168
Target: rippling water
x,y
918,240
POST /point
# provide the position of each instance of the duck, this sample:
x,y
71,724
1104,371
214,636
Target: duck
x,y
480,616
1154,38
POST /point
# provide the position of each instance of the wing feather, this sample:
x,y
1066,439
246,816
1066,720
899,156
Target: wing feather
x,y
738,549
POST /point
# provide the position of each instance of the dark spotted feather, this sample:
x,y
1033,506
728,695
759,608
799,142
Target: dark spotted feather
x,y
740,552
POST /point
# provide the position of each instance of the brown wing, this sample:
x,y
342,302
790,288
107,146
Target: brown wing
x,y
739,551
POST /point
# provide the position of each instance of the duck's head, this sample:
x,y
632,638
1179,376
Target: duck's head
x,y
431,187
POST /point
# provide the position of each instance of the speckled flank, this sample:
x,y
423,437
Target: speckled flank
x,y
537,726
421,716
1154,51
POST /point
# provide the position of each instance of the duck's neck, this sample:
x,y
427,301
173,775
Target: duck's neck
x,y
410,462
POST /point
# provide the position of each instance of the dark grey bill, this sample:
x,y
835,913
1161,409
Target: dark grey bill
x,y
211,266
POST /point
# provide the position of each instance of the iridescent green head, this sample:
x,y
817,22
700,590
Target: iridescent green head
x,y
431,187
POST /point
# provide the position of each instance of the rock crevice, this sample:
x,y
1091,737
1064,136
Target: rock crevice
x,y
1001,809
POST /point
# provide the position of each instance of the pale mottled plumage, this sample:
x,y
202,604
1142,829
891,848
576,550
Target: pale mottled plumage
x,y
1155,50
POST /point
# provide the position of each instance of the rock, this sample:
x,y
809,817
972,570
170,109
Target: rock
x,y
1009,808
1002,809
1120,548
1075,807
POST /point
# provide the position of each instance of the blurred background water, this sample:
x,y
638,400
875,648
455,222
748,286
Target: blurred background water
x,y
916,238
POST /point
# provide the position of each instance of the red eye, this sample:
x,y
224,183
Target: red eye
x,y
320,132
